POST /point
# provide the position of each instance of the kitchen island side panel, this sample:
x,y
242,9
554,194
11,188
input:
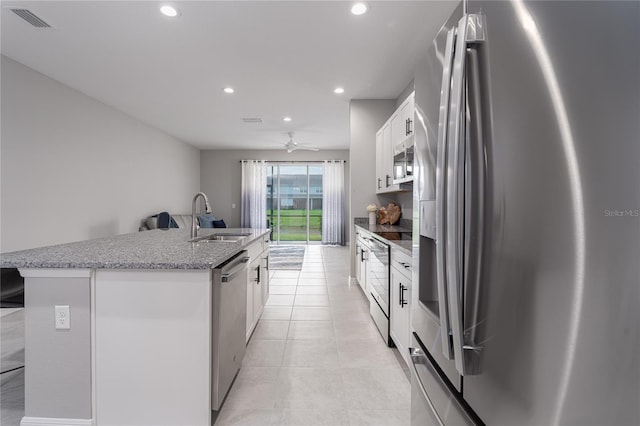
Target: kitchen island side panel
x,y
153,347
58,362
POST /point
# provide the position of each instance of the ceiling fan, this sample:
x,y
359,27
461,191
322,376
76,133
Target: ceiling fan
x,y
294,146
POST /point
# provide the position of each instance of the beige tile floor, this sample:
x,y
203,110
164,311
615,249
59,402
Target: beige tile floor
x,y
316,357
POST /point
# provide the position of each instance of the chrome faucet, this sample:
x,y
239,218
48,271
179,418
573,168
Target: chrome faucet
x,y
207,208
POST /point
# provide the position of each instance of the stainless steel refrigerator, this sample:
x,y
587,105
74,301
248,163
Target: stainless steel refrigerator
x,y
526,301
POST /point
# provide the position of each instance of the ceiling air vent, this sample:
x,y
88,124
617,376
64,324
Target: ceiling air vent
x,y
31,18
254,120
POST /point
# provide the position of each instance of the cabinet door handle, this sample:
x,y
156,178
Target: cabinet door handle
x,y
388,177
410,128
403,302
379,183
257,279
406,127
405,265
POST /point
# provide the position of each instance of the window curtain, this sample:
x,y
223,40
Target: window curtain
x,y
253,204
333,230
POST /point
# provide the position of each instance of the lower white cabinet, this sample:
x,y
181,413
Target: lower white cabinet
x,y
264,276
400,292
361,262
257,282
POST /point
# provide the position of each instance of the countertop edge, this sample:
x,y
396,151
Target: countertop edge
x,y
140,246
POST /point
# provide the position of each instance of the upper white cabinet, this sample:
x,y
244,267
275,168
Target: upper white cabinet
x,y
406,113
397,130
379,160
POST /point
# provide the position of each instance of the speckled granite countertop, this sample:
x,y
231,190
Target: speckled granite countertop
x,y
156,249
363,223
381,230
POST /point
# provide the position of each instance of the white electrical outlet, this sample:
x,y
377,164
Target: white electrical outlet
x,y
63,319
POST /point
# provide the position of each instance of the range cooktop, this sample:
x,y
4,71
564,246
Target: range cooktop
x,y
395,235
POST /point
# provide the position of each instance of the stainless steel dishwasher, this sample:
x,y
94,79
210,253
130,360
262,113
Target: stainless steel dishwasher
x,y
228,316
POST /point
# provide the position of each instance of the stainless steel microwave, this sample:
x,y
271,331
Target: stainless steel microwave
x,y
403,162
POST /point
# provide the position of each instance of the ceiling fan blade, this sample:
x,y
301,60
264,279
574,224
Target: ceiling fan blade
x,y
294,146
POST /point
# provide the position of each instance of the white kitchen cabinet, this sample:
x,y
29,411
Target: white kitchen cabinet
x,y
402,123
380,160
400,301
398,129
257,282
358,258
384,160
264,275
387,158
406,113
361,262
253,288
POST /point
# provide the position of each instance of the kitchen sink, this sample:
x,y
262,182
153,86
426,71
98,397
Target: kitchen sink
x,y
229,237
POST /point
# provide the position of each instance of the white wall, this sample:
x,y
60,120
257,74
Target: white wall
x,y
366,116
221,176
73,168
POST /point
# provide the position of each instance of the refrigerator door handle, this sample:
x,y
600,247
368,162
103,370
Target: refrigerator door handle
x,y
453,236
445,325
475,184
470,31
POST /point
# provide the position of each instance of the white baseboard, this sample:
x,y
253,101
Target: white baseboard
x,y
51,421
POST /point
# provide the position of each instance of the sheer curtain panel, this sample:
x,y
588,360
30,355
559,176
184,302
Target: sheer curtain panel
x,y
333,231
253,205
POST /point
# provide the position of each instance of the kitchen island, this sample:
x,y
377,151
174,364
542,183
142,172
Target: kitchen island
x,y
136,344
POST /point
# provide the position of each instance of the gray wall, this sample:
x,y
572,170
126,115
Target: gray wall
x,y
220,175
58,373
73,168
365,119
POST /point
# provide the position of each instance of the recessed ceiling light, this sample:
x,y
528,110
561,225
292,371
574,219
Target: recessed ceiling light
x,y
228,90
338,90
287,119
359,8
169,11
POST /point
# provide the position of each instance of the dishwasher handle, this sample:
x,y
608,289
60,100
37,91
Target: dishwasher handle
x,y
230,270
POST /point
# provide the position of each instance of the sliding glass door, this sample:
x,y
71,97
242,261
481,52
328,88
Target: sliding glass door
x,y
294,202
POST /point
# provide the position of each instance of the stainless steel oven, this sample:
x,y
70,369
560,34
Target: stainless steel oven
x,y
378,284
